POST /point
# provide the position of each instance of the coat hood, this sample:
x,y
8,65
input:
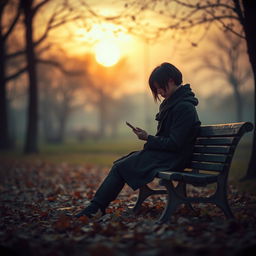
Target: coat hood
x,y
184,94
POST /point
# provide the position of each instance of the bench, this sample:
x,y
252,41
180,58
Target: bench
x,y
210,163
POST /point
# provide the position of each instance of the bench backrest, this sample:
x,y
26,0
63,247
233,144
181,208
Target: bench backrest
x,y
215,146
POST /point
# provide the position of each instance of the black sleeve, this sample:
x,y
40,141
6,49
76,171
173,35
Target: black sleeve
x,y
184,118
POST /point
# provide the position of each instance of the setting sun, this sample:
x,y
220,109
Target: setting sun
x,y
107,53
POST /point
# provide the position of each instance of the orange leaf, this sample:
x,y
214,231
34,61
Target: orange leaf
x,y
109,210
51,198
84,219
62,223
77,194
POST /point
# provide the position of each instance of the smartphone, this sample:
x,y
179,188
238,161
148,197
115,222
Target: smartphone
x,y
130,125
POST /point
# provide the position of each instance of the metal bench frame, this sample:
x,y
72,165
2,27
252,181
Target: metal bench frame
x,y
213,152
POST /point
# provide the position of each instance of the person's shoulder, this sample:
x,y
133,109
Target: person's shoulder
x,y
184,106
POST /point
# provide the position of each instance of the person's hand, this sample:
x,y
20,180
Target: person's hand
x,y
141,134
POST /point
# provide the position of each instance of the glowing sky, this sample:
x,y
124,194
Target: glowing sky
x,y
101,39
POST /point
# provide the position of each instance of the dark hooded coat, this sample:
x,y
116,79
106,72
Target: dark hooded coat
x,y
171,147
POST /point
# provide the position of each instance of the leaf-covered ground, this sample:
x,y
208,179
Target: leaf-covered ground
x,y
38,200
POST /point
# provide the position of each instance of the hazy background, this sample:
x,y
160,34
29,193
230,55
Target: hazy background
x,y
94,101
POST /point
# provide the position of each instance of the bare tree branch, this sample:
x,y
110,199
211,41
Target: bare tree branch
x,y
43,49
15,54
38,6
199,6
230,29
209,9
60,67
238,10
207,64
200,21
246,76
199,13
53,23
16,74
48,28
124,13
3,3
15,20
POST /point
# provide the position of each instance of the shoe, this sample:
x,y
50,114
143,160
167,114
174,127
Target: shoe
x,y
90,211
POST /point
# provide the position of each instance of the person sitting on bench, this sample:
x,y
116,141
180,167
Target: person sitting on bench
x,y
170,148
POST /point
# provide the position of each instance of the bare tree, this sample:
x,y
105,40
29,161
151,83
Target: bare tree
x,y
226,61
6,29
10,13
58,101
58,17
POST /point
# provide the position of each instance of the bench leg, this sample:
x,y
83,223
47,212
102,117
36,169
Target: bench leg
x,y
221,199
144,193
173,201
181,189
226,209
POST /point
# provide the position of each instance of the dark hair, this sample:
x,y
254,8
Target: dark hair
x,y
161,75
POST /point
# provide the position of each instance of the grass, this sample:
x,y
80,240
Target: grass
x,y
101,153
104,152
100,146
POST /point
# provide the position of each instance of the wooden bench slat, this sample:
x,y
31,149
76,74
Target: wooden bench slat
x,y
216,141
188,177
230,129
210,158
210,149
207,166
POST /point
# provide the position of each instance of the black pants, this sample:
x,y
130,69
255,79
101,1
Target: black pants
x,y
109,188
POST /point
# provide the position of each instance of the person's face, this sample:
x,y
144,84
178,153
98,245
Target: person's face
x,y
168,91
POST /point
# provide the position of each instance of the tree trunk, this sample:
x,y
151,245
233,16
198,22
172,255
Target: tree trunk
x,y
4,131
62,126
239,104
102,114
12,125
32,114
47,121
249,28
114,126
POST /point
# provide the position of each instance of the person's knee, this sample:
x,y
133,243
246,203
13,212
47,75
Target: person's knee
x,y
115,170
